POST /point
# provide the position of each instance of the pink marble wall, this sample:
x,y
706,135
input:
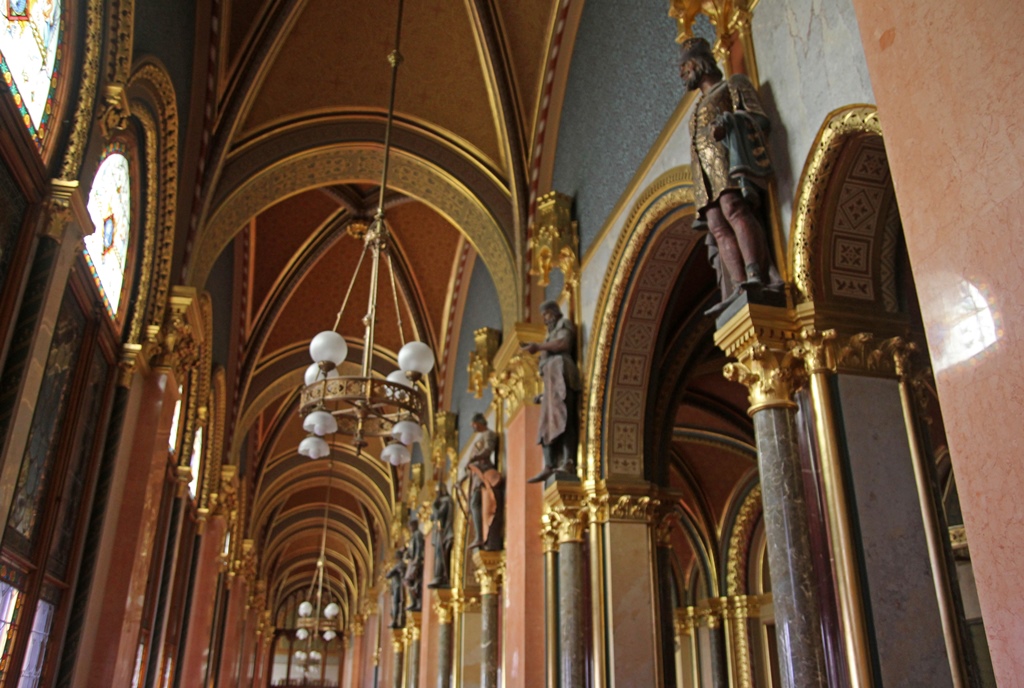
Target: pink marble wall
x,y
522,644
632,639
947,80
196,657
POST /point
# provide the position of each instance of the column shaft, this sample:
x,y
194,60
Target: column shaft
x,y
570,614
444,659
413,666
794,593
489,641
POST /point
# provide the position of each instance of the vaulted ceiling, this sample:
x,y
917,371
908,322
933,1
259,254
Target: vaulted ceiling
x,y
291,158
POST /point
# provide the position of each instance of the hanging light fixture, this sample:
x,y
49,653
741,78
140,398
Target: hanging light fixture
x,y
315,617
365,406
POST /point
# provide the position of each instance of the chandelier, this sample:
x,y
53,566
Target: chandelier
x,y
314,616
365,406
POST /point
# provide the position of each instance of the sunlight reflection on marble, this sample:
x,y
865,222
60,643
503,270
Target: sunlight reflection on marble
x,y
971,327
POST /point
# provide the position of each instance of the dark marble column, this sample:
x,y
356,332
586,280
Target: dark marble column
x,y
488,574
794,594
570,613
762,339
443,609
719,658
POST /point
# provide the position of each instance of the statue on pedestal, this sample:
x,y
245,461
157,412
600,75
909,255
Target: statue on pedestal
x,y
442,537
731,173
414,565
559,428
396,574
487,489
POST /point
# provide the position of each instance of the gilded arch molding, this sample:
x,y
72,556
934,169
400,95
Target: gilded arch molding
x,y
652,247
409,174
840,125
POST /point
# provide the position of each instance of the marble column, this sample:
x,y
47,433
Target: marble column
x,y
688,659
489,571
762,338
443,610
718,659
412,630
398,657
565,507
737,611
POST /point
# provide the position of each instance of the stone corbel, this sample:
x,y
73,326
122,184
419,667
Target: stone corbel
x,y
64,206
481,360
115,111
555,240
182,333
516,379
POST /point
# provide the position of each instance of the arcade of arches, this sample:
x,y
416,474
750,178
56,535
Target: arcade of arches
x,y
816,488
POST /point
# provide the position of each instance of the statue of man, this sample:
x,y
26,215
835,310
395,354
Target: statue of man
x,y
559,429
396,574
487,488
442,537
731,171
414,564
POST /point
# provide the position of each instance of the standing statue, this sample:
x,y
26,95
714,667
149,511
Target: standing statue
x,y
414,565
731,171
396,574
559,428
487,489
442,537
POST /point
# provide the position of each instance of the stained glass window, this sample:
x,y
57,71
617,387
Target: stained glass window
x,y
106,249
30,55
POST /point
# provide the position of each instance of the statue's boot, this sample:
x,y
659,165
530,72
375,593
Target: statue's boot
x,y
755,278
543,475
724,303
566,467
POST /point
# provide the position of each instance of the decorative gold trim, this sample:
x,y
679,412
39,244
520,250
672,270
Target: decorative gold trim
x,y
82,119
443,606
729,17
162,165
444,442
555,241
957,538
632,507
739,541
480,361
832,137
738,609
863,354
669,193
414,176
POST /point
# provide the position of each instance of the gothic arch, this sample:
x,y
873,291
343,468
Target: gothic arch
x,y
645,264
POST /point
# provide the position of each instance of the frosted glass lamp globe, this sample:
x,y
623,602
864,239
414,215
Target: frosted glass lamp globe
x,y
305,609
328,346
320,423
314,447
416,357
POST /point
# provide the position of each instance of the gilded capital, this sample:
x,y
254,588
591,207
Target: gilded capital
x,y
817,350
727,16
565,506
555,241
398,640
63,204
182,332
443,605
515,379
480,361
762,339
490,570
685,621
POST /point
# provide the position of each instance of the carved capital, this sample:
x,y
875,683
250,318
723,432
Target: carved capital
x,y
357,626
817,350
132,360
398,640
633,507
685,621
115,111
566,508
490,571
516,379
481,360
763,338
555,241
443,605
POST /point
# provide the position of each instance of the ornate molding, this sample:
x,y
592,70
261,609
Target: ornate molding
x,y
64,206
490,571
863,354
632,507
444,441
566,510
515,379
115,111
839,126
727,16
739,542
442,605
555,240
81,120
481,360
182,332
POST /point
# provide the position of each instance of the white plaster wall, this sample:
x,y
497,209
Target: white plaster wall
x,y
810,62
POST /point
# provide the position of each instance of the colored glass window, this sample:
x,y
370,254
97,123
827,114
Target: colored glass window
x,y
30,56
106,249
